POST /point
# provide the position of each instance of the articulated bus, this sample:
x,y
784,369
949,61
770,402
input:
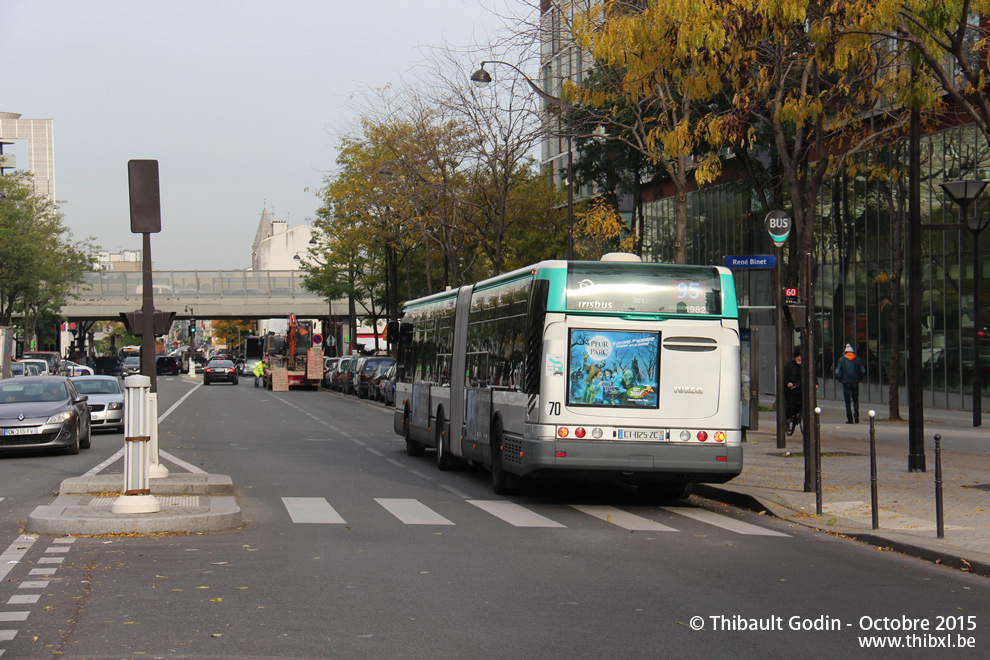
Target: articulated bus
x,y
615,370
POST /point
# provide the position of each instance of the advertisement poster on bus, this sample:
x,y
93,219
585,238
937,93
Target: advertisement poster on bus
x,y
613,368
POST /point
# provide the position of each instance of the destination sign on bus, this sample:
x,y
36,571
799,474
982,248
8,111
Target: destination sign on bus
x,y
608,288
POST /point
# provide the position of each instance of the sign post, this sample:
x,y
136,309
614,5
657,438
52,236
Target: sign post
x,y
778,225
146,219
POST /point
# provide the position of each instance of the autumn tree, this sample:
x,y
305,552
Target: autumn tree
x,y
40,262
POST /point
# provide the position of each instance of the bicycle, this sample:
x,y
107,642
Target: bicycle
x,y
796,419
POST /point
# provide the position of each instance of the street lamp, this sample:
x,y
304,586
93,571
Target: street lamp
x,y
481,77
965,193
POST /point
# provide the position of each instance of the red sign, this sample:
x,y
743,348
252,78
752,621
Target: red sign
x,y
790,294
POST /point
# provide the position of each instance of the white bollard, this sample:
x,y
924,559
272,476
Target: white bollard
x,y
137,497
192,367
155,469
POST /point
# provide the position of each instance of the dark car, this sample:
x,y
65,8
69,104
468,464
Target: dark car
x,y
353,367
167,366
385,385
219,371
363,385
43,412
131,366
106,401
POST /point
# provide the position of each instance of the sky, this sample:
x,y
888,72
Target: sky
x,y
242,102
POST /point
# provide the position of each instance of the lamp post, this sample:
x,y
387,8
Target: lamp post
x,y
482,78
965,193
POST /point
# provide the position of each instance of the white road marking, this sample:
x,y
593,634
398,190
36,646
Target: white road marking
x,y
14,616
731,524
622,518
14,553
33,584
24,600
412,512
7,636
311,510
514,514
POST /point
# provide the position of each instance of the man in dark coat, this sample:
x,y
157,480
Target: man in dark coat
x,y
792,386
849,371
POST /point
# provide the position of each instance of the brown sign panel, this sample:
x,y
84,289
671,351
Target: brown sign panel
x,y
146,205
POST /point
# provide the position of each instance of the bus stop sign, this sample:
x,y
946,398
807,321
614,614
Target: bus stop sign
x,y
778,226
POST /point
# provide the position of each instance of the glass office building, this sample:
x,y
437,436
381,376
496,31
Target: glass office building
x,y
860,221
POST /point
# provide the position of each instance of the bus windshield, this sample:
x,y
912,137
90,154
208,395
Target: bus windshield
x,y
613,368
664,289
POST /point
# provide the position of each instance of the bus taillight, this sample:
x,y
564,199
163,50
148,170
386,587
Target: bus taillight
x,y
562,432
579,432
719,436
702,435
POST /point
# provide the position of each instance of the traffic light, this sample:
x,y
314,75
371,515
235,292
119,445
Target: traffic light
x,y
192,329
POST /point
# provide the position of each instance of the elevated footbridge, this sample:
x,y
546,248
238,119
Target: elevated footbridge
x,y
218,294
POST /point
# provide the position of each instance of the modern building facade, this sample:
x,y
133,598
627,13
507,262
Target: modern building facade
x,y
40,137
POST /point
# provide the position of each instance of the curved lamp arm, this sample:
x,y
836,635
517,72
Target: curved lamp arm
x,y
482,78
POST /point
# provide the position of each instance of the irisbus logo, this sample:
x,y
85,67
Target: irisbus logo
x,y
679,389
594,304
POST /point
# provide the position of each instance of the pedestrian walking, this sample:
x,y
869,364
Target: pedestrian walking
x,y
849,371
258,371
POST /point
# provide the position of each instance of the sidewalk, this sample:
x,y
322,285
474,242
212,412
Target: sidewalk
x,y
773,481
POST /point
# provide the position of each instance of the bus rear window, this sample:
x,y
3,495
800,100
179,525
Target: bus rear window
x,y
647,288
613,369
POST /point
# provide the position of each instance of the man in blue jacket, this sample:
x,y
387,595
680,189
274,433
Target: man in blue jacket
x,y
849,371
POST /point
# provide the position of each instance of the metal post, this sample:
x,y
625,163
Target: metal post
x,y
873,469
818,463
778,289
137,497
939,521
155,469
977,376
570,200
916,406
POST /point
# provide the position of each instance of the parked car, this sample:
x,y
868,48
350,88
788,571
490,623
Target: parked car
x,y
329,370
219,371
167,366
41,366
131,366
385,385
43,412
70,369
106,401
363,385
350,376
22,369
342,366
51,357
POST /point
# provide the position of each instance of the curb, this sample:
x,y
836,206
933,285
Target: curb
x,y
952,558
73,511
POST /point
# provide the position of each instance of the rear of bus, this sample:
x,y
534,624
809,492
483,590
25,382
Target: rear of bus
x,y
640,381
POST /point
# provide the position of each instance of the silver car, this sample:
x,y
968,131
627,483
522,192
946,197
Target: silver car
x,y
43,412
106,401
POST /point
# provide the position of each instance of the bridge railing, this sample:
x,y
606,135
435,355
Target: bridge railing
x,y
194,284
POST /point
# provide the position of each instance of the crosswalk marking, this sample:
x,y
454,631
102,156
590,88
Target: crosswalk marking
x,y
412,512
731,524
14,616
514,514
311,510
622,518
13,554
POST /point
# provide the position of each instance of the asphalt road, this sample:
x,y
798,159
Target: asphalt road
x,y
351,549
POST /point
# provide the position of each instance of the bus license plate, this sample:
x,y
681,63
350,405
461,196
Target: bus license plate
x,y
651,435
21,431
